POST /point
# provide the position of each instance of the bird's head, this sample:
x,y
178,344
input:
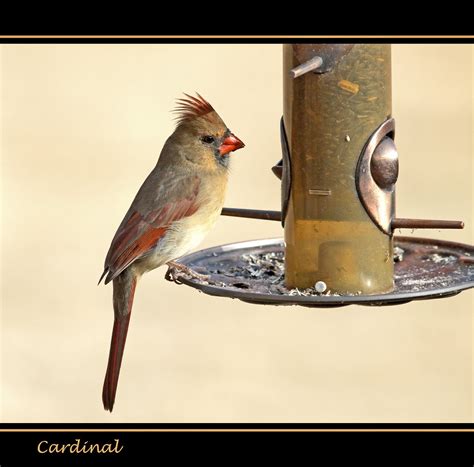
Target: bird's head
x,y
203,137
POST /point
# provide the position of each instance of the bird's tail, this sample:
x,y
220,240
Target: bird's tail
x,y
124,290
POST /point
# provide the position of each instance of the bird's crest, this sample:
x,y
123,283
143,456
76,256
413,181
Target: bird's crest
x,y
192,107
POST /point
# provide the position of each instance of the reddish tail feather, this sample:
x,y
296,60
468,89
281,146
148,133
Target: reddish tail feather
x,y
124,291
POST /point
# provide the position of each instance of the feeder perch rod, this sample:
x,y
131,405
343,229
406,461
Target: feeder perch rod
x,y
252,214
306,67
398,223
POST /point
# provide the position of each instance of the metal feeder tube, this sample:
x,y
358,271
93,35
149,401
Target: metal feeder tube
x,y
329,117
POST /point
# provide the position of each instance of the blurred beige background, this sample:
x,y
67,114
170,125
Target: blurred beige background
x,y
82,125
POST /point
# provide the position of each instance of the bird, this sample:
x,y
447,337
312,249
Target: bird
x,y
176,206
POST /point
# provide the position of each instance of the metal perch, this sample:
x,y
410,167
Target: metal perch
x,y
397,223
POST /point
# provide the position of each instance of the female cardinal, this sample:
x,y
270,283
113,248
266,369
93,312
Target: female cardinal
x,y
176,206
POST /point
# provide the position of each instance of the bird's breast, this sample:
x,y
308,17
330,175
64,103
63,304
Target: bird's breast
x,y
188,233
182,237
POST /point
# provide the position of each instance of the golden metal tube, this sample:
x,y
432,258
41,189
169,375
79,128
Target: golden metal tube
x,y
329,115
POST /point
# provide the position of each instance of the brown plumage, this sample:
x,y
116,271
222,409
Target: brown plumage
x,y
177,204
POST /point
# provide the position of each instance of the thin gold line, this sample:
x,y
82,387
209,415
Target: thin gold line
x,y
234,37
158,430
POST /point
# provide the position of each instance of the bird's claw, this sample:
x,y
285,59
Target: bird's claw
x,y
174,267
169,276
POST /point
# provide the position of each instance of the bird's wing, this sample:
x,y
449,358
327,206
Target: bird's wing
x,y
147,222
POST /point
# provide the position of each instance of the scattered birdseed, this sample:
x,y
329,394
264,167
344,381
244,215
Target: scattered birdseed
x,y
349,86
436,258
398,254
320,286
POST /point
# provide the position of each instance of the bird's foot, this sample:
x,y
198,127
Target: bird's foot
x,y
173,265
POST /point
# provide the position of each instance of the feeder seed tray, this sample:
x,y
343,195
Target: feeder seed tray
x,y
253,271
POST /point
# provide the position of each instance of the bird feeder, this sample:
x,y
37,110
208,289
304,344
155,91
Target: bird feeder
x,y
338,175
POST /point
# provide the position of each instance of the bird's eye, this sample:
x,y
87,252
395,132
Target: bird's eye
x,y
207,139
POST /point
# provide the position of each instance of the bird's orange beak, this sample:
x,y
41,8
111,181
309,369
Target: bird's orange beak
x,y
231,143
